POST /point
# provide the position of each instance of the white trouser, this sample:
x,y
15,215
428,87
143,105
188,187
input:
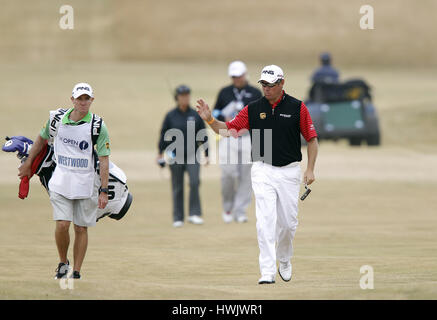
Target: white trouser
x,y
276,192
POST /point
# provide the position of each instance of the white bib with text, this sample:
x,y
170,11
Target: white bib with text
x,y
74,174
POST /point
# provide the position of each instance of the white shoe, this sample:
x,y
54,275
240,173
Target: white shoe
x,y
195,220
227,217
242,219
268,279
178,224
285,269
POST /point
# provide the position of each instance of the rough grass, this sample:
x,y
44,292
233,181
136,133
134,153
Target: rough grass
x,y
287,31
134,97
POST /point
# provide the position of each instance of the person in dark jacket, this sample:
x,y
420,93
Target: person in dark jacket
x,y
178,141
326,73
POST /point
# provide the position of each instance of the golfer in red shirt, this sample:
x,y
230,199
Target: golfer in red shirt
x,y
275,123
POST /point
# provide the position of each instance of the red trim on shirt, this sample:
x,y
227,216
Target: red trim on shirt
x,y
306,123
241,121
277,101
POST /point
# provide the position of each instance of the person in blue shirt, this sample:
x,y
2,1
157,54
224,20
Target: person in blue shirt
x,y
326,73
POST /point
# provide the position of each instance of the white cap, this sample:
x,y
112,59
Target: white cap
x,y
237,69
82,88
271,74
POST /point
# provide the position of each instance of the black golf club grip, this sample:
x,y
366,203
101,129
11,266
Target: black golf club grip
x,y
307,192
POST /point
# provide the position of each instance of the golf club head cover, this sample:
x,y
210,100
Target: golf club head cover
x,y
18,144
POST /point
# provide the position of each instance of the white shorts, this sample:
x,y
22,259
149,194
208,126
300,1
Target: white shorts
x,y
82,212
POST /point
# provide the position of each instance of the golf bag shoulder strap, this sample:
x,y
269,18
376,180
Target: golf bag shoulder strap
x,y
55,121
96,128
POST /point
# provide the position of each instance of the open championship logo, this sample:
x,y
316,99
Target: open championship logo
x,y
83,145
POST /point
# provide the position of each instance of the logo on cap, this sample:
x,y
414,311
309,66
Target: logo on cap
x,y
271,74
83,88
262,115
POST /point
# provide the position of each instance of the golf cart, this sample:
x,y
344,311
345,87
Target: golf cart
x,y
344,110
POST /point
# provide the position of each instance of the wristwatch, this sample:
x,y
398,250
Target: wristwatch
x,y
105,190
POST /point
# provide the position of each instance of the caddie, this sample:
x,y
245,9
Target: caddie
x,y
235,153
275,123
73,194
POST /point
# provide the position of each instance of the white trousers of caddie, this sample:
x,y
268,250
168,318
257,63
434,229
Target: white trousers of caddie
x,y
276,192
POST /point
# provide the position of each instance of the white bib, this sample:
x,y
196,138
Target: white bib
x,y
74,174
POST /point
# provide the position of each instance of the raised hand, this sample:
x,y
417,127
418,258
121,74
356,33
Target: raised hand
x,y
203,110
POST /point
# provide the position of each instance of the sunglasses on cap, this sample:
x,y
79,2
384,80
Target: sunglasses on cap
x,y
270,85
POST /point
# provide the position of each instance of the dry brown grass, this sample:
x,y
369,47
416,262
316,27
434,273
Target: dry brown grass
x,y
287,31
405,98
369,206
343,225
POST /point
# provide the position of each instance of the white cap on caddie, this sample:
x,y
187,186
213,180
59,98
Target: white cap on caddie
x,y
82,88
237,69
271,74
